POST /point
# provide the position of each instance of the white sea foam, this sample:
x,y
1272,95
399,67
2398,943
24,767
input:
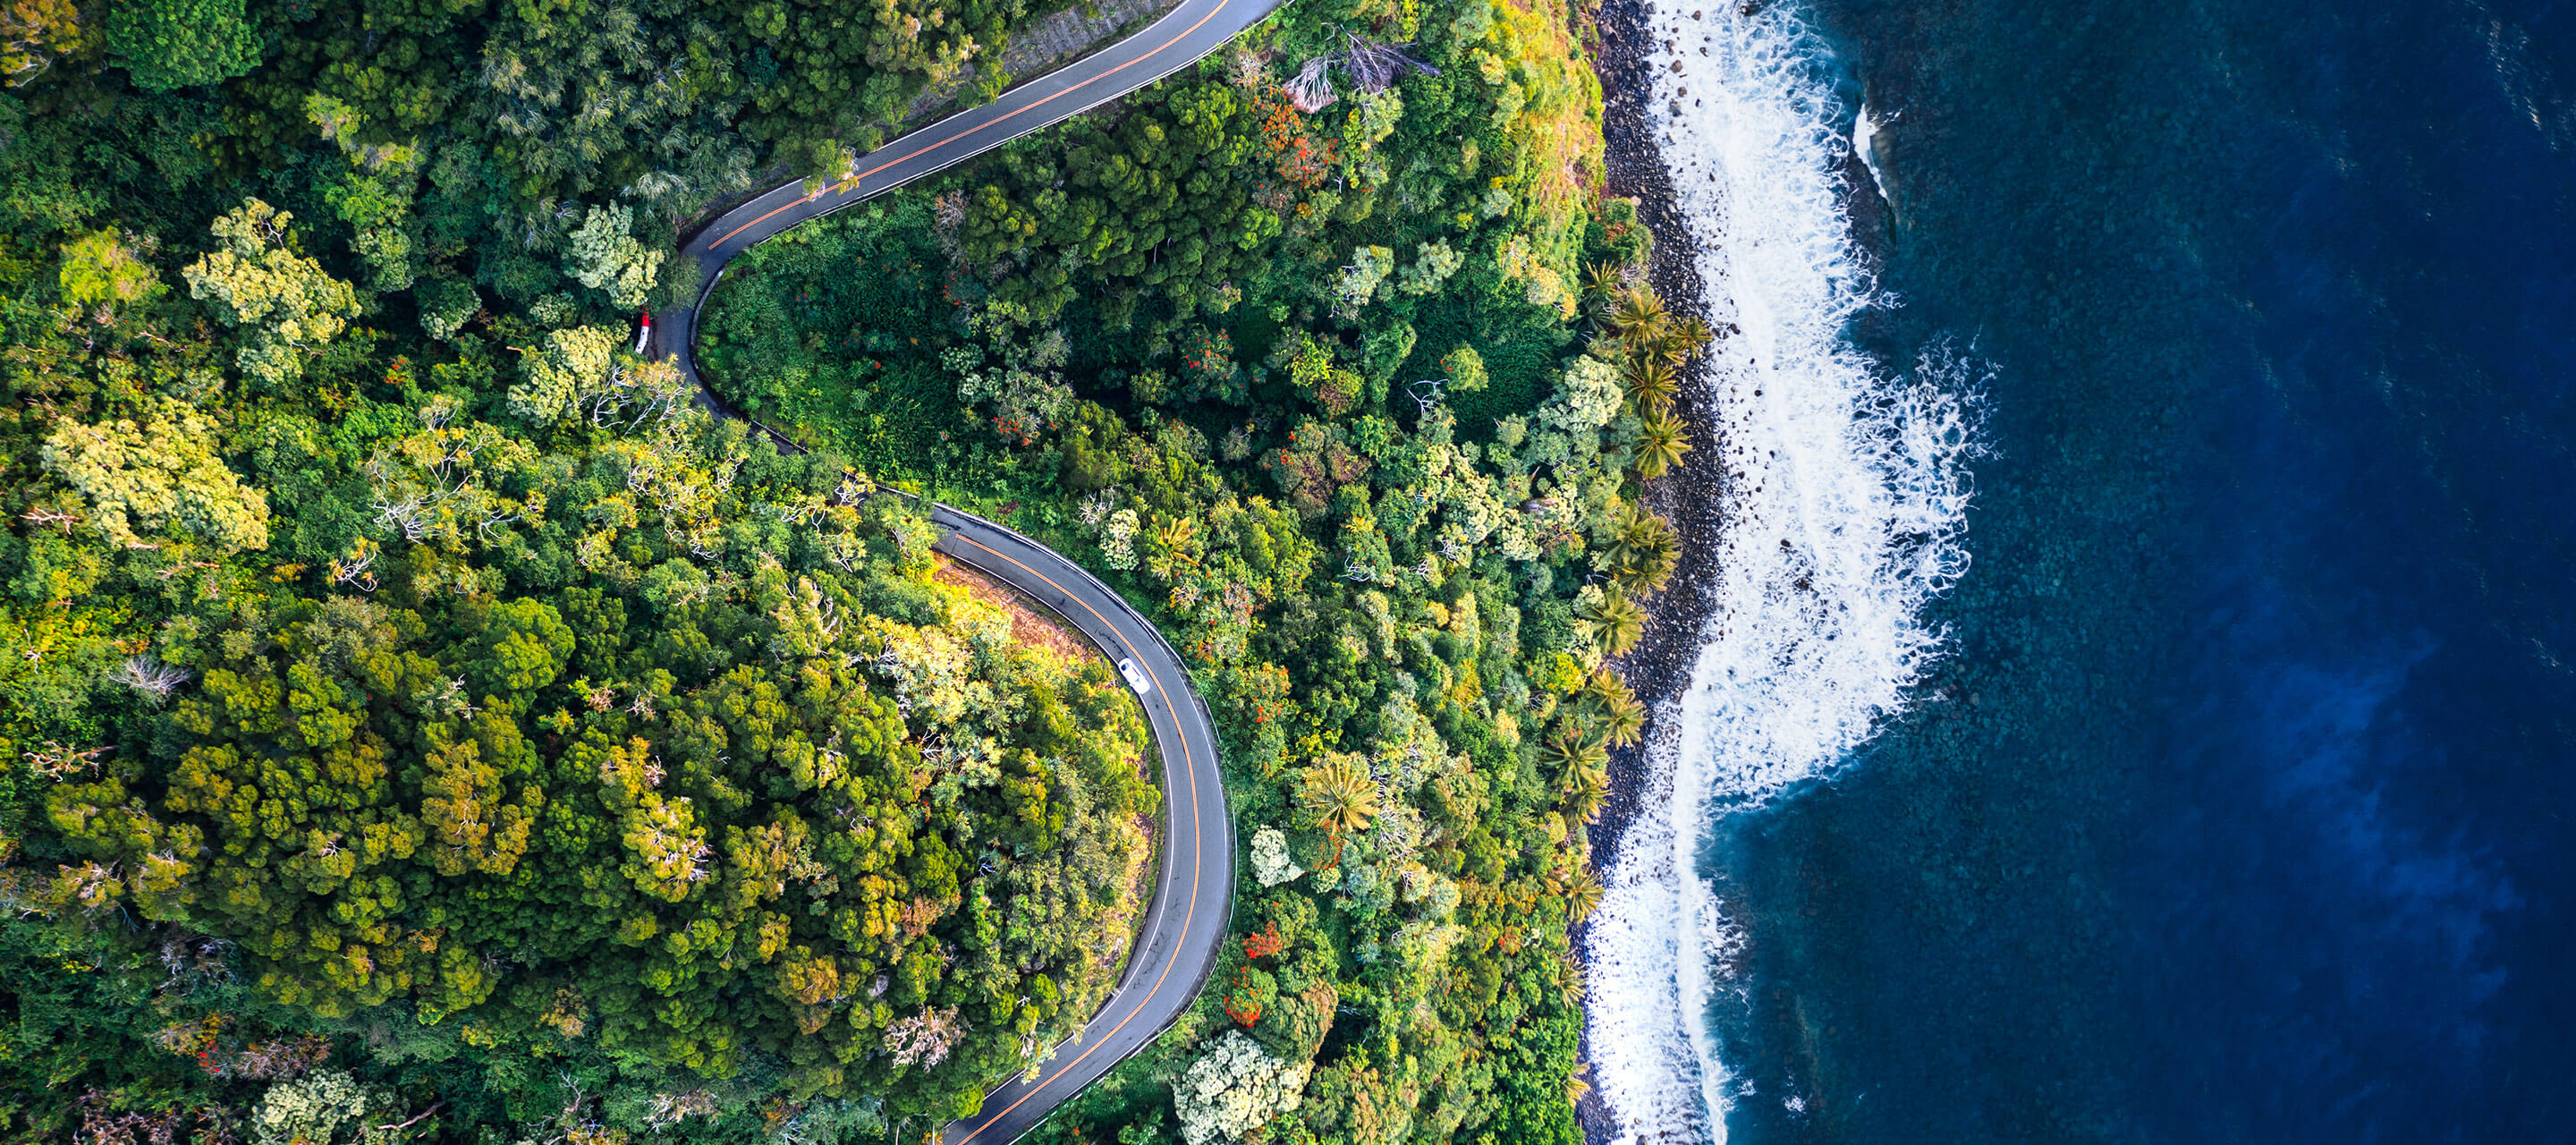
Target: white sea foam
x,y
1865,145
1844,494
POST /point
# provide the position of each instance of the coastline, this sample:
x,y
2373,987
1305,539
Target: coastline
x,y
1690,496
1694,497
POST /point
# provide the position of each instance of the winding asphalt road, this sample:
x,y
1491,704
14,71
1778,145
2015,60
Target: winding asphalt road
x,y
1194,895
1194,891
1190,32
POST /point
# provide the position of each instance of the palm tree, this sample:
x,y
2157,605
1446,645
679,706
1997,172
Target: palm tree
x,y
1642,550
1603,687
1652,385
1573,750
1340,793
1623,719
1661,445
1616,712
1576,723
1630,525
1584,789
1569,973
1616,621
1639,316
1575,1086
1583,770
1600,282
1654,570
1171,547
1690,336
1583,894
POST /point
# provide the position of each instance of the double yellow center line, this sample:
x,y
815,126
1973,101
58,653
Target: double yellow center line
x,y
1005,117
1179,730
1179,733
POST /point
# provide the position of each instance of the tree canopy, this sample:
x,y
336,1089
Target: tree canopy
x,y
419,720
182,43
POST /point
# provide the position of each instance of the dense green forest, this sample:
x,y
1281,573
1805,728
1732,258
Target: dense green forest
x,y
419,721
1331,359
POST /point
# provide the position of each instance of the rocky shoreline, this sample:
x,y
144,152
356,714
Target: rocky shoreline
x,y
1691,495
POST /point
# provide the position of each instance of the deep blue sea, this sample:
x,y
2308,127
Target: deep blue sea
x,y
2242,803
2243,807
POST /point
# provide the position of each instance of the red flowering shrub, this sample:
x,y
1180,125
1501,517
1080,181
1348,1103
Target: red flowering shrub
x,y
1250,994
1208,369
1265,942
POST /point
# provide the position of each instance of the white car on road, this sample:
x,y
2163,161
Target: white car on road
x,y
1135,676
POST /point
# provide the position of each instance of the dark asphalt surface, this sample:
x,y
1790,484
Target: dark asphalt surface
x,y
1194,889
1189,33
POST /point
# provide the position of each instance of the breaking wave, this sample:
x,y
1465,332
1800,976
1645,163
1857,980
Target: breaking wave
x,y
1844,486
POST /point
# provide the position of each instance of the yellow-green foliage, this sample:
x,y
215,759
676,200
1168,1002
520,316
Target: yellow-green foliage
x,y
754,810
158,475
560,740
287,303
100,268
1547,99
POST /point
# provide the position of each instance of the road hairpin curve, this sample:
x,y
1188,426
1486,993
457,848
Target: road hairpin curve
x,y
1185,929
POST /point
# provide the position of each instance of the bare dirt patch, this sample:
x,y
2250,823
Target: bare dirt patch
x,y
1034,625
1031,623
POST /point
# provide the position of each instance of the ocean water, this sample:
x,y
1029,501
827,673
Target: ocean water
x,y
2142,708
1845,497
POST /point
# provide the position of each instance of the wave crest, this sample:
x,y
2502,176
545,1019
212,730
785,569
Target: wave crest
x,y
1845,488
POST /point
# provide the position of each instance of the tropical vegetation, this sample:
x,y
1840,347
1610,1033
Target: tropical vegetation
x,y
418,720
1333,359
